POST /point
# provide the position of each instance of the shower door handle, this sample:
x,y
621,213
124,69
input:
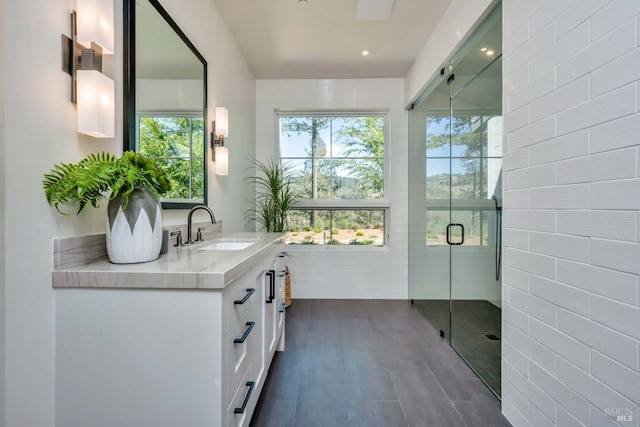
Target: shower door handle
x,y
449,226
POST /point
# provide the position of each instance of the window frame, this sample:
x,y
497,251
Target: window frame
x,y
382,204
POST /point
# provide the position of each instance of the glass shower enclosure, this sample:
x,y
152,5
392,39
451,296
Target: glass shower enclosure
x,y
455,214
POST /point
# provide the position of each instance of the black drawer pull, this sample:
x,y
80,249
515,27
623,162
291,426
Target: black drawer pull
x,y
247,396
246,333
284,307
272,285
250,292
282,254
282,273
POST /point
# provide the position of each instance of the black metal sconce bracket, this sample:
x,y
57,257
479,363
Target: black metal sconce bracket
x,y
77,57
215,140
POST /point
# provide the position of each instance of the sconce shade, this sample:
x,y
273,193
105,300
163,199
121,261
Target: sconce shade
x,y
222,122
222,161
95,24
221,130
96,105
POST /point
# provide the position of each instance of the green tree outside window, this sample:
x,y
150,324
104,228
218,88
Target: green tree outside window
x,y
176,144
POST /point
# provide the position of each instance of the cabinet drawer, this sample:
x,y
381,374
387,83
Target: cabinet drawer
x,y
244,400
241,355
240,296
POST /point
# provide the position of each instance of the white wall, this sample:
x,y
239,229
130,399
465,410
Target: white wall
x,y
39,130
459,20
571,331
346,272
3,178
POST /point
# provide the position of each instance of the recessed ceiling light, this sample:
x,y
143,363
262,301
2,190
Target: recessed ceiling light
x,y
365,52
484,49
490,52
303,3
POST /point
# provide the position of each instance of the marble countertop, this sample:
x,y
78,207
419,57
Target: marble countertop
x,y
186,267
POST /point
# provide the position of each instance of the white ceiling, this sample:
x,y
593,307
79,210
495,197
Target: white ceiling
x,y
280,39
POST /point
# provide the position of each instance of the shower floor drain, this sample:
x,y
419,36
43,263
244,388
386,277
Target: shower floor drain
x,y
492,337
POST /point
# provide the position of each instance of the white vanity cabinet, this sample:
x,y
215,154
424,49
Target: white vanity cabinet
x,y
166,357
253,354
243,343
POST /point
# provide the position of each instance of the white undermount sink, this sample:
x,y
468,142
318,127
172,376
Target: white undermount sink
x,y
227,245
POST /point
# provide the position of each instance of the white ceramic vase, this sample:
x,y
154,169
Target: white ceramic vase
x,y
134,232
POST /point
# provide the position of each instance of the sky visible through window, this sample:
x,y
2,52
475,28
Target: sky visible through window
x,y
297,146
334,157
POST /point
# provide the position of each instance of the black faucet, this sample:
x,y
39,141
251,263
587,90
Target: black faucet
x,y
193,209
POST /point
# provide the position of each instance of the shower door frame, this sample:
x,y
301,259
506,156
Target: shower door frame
x,y
472,335
437,257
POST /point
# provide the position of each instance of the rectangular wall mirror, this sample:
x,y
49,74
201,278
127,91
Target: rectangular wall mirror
x,y
165,100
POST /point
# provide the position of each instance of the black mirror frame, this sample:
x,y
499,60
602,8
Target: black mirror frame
x,y
129,87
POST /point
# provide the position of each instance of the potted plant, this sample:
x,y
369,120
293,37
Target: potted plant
x,y
275,197
134,225
274,194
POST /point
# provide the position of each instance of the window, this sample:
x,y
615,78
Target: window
x,y
463,164
336,227
339,165
176,144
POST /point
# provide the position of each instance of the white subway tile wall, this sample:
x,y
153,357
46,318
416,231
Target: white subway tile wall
x,y
610,342
559,391
519,380
564,47
571,279
566,419
565,147
574,93
532,306
559,197
542,356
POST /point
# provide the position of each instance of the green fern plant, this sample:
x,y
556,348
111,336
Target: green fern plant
x,y
274,195
87,181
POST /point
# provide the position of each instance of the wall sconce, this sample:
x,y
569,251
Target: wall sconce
x,y
220,130
92,36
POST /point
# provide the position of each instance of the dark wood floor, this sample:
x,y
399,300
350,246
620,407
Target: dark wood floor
x,y
370,363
